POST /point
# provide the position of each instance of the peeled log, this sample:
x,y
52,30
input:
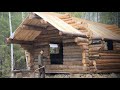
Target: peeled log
x,y
81,44
110,57
94,49
108,71
109,54
79,39
108,66
103,61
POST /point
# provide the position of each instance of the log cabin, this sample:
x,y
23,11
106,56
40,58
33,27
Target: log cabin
x,y
71,45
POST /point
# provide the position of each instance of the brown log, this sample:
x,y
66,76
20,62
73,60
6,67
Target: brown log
x,y
110,57
71,47
68,62
68,19
51,28
68,40
95,45
9,40
81,44
72,53
94,49
99,61
109,54
108,71
72,59
108,66
79,39
96,55
109,51
72,50
74,56
66,16
40,44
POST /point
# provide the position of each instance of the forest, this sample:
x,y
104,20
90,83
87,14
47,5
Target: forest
x,y
11,20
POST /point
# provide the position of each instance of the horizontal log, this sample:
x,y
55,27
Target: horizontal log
x,y
72,59
75,56
109,51
94,49
63,67
104,67
74,53
73,50
96,55
79,39
95,45
68,19
68,40
92,53
110,57
65,16
68,62
117,49
32,27
51,28
103,61
9,41
108,71
81,44
72,47
109,54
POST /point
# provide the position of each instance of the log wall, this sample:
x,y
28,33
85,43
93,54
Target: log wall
x,y
71,51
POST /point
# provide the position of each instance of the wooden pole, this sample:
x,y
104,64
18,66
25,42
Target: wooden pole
x,y
12,59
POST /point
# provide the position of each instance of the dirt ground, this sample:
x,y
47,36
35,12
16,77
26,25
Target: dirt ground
x,y
110,75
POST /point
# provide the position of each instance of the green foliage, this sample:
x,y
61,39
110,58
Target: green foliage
x,y
5,61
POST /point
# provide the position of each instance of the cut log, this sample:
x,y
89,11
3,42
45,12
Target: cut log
x,y
68,62
110,57
72,59
79,39
94,49
108,71
109,54
102,61
68,40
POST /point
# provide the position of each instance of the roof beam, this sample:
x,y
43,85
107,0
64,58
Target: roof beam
x,y
69,34
9,41
32,27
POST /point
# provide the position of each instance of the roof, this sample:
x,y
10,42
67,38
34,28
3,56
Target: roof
x,y
64,23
